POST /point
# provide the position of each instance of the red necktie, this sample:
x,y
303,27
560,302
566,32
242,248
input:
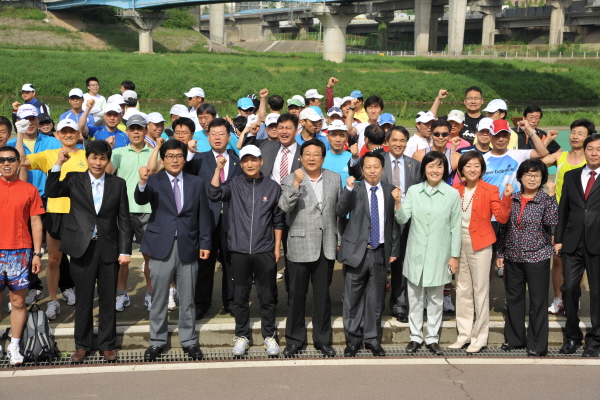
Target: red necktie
x,y
222,174
283,169
590,185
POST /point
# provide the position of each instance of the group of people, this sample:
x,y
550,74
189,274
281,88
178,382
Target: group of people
x,y
464,194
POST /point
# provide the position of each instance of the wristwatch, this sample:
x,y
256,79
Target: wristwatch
x,y
351,108
40,255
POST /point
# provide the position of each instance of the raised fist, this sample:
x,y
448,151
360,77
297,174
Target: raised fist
x,y
111,141
332,81
144,173
508,190
63,157
350,182
192,145
397,194
442,94
90,104
354,150
264,93
159,141
221,161
16,105
22,125
299,176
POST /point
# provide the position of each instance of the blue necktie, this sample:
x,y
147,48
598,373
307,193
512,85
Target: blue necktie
x,y
374,237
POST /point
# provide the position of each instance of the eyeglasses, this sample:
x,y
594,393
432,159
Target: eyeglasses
x,y
532,176
473,98
171,157
190,98
93,85
216,135
9,159
579,134
314,155
438,134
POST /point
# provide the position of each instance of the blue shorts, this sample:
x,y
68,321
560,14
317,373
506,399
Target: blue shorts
x,y
14,269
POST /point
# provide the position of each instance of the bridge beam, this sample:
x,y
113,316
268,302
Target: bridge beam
x,y
557,21
146,22
422,24
334,20
217,23
456,26
489,9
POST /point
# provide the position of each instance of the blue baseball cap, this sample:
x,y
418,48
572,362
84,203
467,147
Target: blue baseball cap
x,y
245,103
386,118
356,94
318,110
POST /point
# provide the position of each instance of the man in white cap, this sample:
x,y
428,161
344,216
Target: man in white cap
x,y
349,119
335,113
497,110
484,138
195,98
337,158
176,112
256,247
28,96
110,131
312,98
457,120
155,128
422,138
76,111
311,127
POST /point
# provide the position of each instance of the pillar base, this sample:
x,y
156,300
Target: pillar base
x,y
422,25
334,20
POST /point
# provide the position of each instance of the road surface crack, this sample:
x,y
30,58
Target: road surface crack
x,y
457,383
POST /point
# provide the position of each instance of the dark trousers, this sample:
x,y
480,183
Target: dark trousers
x,y
65,281
206,273
261,267
364,289
398,300
537,278
574,264
320,273
86,271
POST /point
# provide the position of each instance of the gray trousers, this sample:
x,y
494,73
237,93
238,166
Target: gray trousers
x,y
416,301
162,273
364,291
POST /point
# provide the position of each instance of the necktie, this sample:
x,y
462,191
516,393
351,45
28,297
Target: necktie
x,y
97,196
590,185
396,174
222,174
283,169
374,237
177,195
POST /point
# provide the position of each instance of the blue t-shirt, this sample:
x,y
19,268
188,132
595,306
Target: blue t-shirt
x,y
300,140
75,117
501,170
101,133
338,163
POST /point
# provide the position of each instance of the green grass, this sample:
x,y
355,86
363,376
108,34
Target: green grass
x,y
22,12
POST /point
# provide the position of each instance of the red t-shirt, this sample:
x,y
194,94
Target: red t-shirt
x,y
20,200
524,201
364,150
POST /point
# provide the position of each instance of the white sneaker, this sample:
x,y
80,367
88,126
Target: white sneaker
x,y
122,302
172,294
69,297
448,306
148,301
279,276
501,272
33,296
241,345
53,309
271,346
556,306
14,354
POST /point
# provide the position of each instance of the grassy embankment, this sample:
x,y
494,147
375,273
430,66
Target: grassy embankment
x,y
227,77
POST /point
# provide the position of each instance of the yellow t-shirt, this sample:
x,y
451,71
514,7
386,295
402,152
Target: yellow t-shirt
x,y
30,143
562,167
45,160
362,115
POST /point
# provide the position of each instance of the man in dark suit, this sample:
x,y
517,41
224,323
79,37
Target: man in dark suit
x,y
206,162
576,237
369,242
97,236
178,231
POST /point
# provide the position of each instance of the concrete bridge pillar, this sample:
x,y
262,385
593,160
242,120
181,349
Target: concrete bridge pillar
x,y
489,9
384,18
456,26
146,22
422,24
557,21
304,25
436,14
268,29
334,20
217,23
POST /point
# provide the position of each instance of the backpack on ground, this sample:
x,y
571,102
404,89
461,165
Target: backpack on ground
x,y
37,345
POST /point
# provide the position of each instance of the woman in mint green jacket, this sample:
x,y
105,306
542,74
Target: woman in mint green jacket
x,y
433,247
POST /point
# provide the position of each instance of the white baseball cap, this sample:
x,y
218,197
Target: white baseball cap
x,y
335,111
180,110
271,119
309,113
67,123
424,117
116,98
129,94
28,87
252,118
155,118
485,123
108,107
456,116
195,92
130,113
76,92
346,99
250,150
312,94
495,105
27,110
337,101
338,125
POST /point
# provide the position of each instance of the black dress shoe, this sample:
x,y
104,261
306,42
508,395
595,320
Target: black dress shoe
x,y
412,347
376,349
531,353
570,347
402,317
152,353
590,352
350,351
510,347
291,350
327,350
229,311
435,349
194,352
200,314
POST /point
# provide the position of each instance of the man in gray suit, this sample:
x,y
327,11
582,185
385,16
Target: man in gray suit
x,y
309,197
369,244
403,172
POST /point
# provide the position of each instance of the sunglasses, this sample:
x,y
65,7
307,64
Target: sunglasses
x,y
9,159
438,134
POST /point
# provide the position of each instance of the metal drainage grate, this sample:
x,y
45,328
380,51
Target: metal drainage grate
x,y
258,353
